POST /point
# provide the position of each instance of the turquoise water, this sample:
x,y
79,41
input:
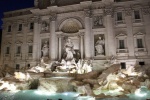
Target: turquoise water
x,y
37,95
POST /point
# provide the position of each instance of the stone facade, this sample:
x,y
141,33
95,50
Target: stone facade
x,y
122,25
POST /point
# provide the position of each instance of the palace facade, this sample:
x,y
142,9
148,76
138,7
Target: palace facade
x,y
100,30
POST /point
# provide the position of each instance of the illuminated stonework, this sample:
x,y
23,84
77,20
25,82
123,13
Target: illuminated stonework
x,y
123,31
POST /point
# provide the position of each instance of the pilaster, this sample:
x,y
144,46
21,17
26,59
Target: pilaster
x,y
130,38
110,36
36,38
146,18
87,36
53,42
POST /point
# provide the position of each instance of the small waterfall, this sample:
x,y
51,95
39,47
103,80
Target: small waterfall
x,y
55,84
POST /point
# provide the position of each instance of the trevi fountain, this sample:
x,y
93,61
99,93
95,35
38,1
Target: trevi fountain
x,y
74,79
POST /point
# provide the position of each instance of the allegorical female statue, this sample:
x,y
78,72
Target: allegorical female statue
x,y
99,46
45,49
69,49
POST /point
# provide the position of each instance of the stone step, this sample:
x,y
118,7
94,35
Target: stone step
x,y
59,74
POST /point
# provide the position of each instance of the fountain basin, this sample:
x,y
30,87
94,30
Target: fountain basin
x,y
37,95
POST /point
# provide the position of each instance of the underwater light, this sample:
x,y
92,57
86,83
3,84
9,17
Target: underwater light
x,y
44,93
74,94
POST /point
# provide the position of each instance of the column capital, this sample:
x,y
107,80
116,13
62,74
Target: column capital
x,y
108,11
146,11
128,11
14,25
59,35
4,27
25,23
37,19
53,17
88,12
81,33
36,3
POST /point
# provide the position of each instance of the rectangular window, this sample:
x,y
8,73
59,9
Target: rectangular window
x,y
30,48
9,28
123,65
142,63
137,14
119,16
17,66
28,65
7,50
18,49
121,44
20,27
31,26
139,43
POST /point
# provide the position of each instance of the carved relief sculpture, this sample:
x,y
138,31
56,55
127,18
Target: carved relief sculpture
x,y
45,26
98,21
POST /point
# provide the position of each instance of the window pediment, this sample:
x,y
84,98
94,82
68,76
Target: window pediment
x,y
139,34
7,43
121,35
18,42
29,41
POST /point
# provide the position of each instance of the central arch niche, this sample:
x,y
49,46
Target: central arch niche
x,y
70,28
70,25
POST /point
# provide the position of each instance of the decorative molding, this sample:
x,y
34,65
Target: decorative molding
x,y
146,11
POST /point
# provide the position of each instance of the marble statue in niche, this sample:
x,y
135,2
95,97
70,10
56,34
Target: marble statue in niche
x,y
98,21
69,49
45,26
45,49
99,46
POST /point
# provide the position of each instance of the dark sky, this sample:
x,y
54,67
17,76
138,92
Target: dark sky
x,y
10,5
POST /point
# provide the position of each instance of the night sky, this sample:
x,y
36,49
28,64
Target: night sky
x,y
10,5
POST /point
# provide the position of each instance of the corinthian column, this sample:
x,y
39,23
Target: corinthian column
x,y
130,39
146,18
36,39
87,36
81,44
110,46
53,41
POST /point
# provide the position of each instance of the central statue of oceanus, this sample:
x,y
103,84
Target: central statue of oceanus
x,y
69,49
